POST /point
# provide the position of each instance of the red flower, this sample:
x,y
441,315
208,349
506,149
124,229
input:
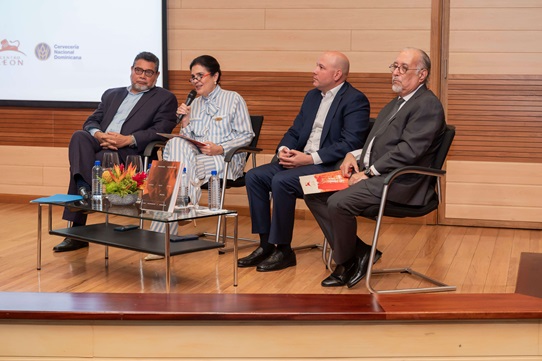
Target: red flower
x,y
140,179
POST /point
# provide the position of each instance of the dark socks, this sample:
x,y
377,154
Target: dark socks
x,y
285,248
266,246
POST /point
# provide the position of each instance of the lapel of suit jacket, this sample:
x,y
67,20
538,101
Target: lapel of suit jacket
x,y
383,122
309,116
377,126
116,101
332,110
145,98
386,122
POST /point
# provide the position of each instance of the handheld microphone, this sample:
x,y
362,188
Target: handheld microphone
x,y
189,100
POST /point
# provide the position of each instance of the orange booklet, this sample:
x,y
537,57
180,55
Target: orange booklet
x,y
323,182
162,186
193,141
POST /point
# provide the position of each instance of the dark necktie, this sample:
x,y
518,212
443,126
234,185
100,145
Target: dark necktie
x,y
396,107
370,138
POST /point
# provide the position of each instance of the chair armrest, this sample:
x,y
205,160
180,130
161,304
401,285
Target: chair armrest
x,y
413,170
229,155
150,147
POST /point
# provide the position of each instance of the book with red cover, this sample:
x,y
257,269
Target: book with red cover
x,y
162,186
193,141
323,182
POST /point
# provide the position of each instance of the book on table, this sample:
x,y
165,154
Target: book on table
x,y
323,182
162,186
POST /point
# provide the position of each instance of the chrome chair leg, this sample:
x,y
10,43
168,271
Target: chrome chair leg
x,y
439,286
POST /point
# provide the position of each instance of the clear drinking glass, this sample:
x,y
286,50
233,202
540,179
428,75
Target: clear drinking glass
x,y
136,161
110,160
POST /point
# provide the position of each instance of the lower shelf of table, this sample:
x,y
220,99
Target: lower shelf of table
x,y
135,240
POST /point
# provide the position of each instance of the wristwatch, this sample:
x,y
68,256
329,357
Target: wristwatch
x,y
134,142
368,173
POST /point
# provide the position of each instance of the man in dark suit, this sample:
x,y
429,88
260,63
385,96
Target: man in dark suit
x,y
333,120
126,120
407,131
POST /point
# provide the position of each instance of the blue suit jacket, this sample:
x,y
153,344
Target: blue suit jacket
x,y
345,127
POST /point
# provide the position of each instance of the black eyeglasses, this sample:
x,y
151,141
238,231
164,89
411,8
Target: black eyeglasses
x,y
197,77
402,68
147,72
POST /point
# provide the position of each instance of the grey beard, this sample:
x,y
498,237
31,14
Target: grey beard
x,y
140,88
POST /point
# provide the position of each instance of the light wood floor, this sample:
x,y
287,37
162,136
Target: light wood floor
x,y
476,260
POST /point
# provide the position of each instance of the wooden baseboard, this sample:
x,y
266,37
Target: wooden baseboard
x,y
489,223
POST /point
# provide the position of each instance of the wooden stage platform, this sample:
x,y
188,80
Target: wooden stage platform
x,y
161,326
267,307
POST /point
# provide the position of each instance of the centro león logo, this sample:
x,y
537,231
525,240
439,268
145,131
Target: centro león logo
x,y
6,45
10,55
42,51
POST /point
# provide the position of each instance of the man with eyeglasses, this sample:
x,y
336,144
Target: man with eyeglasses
x,y
407,131
126,120
333,120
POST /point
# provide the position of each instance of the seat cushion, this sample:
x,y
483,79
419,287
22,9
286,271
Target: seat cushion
x,y
401,210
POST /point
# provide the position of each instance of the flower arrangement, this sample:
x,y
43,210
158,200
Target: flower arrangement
x,y
123,181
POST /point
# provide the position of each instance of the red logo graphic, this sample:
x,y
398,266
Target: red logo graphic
x,y
10,46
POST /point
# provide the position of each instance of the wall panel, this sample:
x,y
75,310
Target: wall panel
x,y
496,19
494,98
262,40
495,191
216,19
495,37
289,35
348,18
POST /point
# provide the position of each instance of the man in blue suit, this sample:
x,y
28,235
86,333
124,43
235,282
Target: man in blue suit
x,y
333,121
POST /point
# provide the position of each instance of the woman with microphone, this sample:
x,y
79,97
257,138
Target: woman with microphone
x,y
218,119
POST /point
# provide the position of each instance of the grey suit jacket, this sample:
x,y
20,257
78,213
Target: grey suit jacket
x,y
411,137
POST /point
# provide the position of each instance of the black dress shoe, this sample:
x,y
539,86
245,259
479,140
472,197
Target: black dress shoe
x,y
277,261
336,278
255,258
341,274
69,244
361,268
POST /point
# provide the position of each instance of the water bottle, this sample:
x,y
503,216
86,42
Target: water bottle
x,y
96,183
214,191
97,204
182,197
